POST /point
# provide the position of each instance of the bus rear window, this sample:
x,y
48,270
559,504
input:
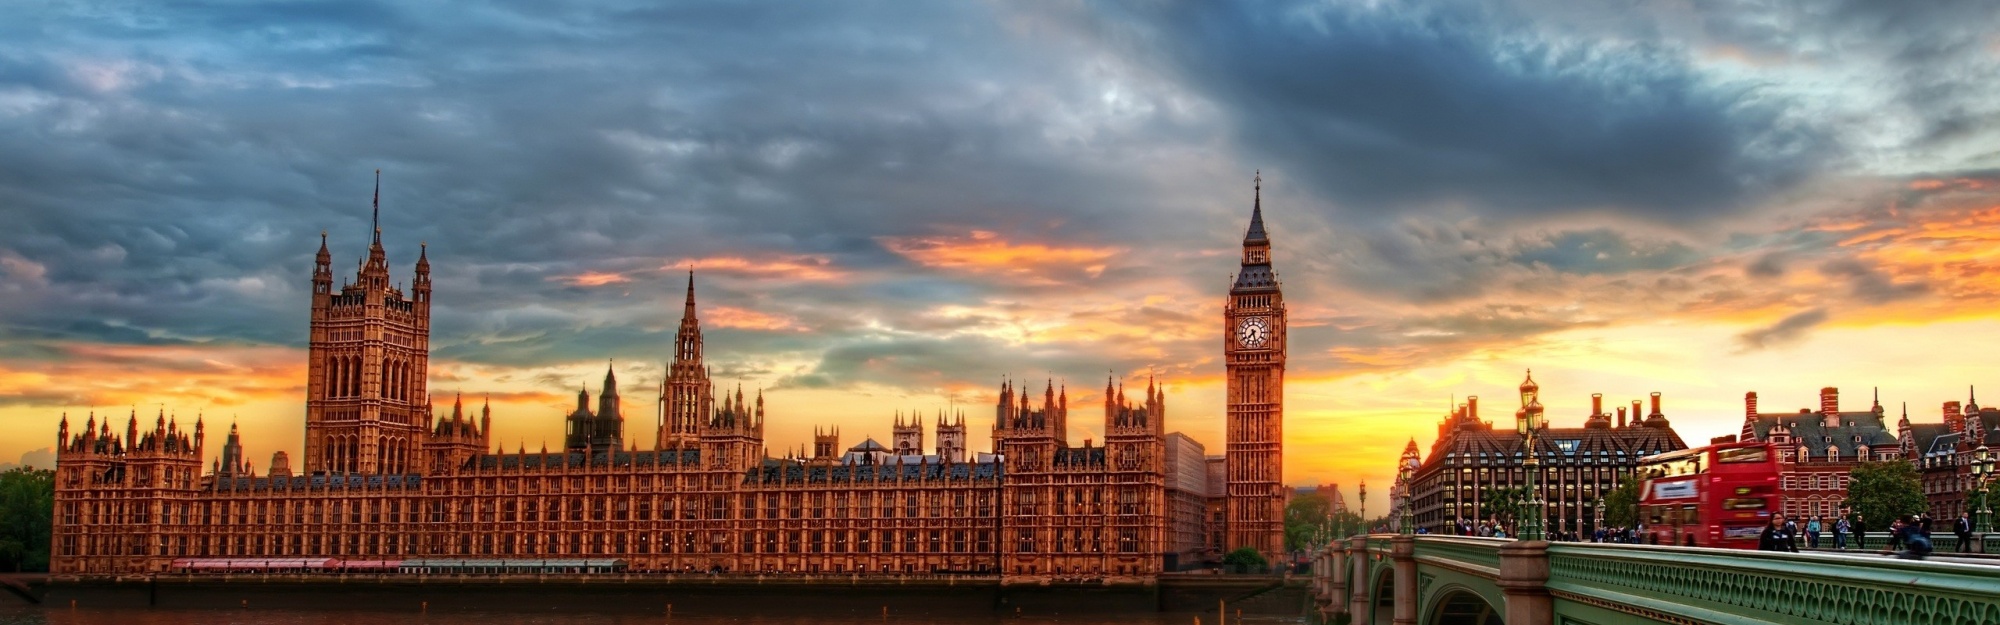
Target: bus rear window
x,y
1742,454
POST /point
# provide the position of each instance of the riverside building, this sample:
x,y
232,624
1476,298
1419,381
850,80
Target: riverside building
x,y
386,479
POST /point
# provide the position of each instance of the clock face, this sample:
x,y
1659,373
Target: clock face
x,y
1253,332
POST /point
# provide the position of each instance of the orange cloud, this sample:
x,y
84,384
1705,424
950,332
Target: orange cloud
x,y
592,278
132,375
732,317
1961,184
985,252
796,267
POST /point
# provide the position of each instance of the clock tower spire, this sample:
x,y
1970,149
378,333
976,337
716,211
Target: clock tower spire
x,y
1254,355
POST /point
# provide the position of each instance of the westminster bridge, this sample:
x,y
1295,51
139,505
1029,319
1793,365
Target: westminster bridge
x,y
1447,580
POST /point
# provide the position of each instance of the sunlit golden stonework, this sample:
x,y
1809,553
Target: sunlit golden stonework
x,y
1254,345
385,483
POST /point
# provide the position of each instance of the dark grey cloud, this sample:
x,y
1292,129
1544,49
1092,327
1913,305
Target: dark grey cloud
x,y
1870,285
1426,261
1605,251
1387,107
164,170
167,168
1936,58
1770,265
1789,330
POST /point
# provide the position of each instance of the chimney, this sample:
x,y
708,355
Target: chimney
x,y
1636,414
1656,406
1749,417
1621,416
1472,407
1596,404
1953,417
1829,400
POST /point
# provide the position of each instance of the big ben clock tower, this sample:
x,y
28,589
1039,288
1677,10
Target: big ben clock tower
x,y
1254,348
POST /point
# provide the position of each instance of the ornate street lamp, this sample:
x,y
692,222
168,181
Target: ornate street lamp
x,y
1406,522
1364,508
1531,522
1982,470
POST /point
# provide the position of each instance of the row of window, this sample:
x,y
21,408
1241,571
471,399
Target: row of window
x,y
616,543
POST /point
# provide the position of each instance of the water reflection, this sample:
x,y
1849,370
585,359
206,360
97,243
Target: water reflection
x,y
17,615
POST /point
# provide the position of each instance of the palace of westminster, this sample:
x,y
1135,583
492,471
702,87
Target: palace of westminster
x,y
385,478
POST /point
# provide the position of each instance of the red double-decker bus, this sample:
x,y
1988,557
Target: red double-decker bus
x,y
1721,495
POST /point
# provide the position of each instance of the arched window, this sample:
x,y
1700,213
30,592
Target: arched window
x,y
336,367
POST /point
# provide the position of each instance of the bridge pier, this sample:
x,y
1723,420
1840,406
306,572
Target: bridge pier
x,y
1403,564
1357,589
1333,597
1524,578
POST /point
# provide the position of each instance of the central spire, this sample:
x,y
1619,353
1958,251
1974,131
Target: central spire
x,y
375,221
375,269
689,312
1256,233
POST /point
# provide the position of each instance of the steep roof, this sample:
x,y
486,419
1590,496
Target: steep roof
x,y
1556,445
1809,430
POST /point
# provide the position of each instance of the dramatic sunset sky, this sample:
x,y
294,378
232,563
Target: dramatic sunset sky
x,y
891,205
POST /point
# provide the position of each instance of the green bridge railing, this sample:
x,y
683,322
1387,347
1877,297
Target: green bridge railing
x,y
1730,586
1538,583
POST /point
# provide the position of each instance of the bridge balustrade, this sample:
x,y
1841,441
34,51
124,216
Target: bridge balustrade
x,y
1446,580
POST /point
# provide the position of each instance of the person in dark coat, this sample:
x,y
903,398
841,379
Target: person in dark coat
x,y
1963,528
1899,536
1776,536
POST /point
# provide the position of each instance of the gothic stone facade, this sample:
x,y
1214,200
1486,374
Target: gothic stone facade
x,y
1253,346
384,479
1944,452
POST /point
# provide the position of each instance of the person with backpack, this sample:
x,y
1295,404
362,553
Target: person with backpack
x,y
1812,533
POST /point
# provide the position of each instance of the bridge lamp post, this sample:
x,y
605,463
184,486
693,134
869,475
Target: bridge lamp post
x,y
1531,522
1406,521
1982,471
1364,509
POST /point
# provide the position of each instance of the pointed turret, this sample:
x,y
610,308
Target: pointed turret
x,y
607,400
1256,232
422,284
686,395
1256,274
374,272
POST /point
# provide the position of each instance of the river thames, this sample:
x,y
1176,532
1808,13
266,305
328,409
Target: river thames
x,y
792,615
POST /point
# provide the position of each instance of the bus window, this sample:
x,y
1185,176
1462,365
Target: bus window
x,y
1742,454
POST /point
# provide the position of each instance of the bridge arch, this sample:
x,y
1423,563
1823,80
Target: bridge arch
x,y
1382,597
1461,605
